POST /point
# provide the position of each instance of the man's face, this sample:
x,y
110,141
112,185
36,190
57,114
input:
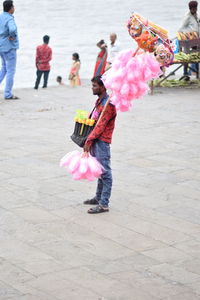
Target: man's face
x,y
97,89
193,10
113,38
12,10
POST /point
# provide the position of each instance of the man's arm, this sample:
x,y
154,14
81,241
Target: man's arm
x,y
12,28
185,24
47,58
37,59
100,127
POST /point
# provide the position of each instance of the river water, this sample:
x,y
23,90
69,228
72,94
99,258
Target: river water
x,y
77,25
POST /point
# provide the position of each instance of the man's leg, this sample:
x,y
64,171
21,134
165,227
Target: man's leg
x,y
95,200
185,70
39,75
10,60
3,67
46,76
101,150
106,178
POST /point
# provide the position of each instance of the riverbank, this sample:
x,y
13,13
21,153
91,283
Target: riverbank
x,y
146,247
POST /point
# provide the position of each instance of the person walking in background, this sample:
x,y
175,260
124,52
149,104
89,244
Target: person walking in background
x,y
191,23
101,59
9,43
43,57
113,50
98,144
74,77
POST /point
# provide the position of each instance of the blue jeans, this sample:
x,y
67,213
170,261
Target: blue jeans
x,y
8,69
101,150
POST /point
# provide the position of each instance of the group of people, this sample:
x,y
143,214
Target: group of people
x,y
9,44
106,55
43,58
103,61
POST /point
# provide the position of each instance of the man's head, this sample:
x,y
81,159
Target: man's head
x,y
193,7
46,39
98,87
113,38
8,6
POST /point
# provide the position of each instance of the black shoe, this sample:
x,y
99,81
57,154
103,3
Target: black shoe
x,y
98,209
185,77
35,87
12,98
92,201
44,87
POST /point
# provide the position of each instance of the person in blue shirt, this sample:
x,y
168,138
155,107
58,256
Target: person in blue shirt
x,y
9,43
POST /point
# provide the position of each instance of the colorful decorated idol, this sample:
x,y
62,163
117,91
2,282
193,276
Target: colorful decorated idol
x,y
163,55
151,38
134,27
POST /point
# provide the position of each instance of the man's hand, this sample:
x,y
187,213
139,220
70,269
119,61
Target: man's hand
x,y
86,148
11,38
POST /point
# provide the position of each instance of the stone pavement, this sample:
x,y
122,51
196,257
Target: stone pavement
x,y
146,248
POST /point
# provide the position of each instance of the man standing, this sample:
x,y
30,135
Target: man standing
x,y
191,20
43,57
8,45
98,144
191,23
113,50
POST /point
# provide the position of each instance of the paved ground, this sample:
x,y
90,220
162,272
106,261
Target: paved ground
x,y
146,248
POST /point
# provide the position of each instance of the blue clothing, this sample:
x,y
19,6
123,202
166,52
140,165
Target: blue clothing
x,y
8,70
9,43
8,29
101,150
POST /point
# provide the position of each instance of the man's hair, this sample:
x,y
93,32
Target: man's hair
x,y
46,39
193,4
98,80
7,5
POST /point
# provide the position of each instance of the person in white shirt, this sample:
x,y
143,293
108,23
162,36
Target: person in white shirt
x,y
191,23
113,50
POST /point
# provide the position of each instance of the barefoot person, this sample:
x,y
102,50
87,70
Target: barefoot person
x,y
98,144
8,45
74,77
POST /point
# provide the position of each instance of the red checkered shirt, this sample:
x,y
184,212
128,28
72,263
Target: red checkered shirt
x,y
43,57
104,129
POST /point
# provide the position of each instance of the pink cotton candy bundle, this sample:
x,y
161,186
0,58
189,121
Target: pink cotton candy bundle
x,y
67,158
128,78
81,166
